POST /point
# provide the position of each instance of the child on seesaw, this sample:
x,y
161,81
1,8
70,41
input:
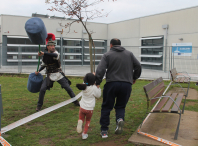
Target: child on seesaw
x,y
87,102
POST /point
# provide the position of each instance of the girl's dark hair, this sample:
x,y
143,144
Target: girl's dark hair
x,y
81,86
89,80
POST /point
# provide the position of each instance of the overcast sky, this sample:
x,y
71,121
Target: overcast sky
x,y
120,10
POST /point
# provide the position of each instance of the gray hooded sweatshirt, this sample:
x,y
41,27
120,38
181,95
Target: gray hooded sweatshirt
x,y
121,66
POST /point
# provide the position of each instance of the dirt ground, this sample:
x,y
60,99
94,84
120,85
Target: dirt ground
x,y
110,143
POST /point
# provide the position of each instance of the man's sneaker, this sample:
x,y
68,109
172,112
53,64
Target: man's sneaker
x,y
79,126
38,108
104,134
196,84
120,125
84,136
76,103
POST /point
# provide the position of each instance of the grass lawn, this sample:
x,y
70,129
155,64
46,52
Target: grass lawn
x,y
59,127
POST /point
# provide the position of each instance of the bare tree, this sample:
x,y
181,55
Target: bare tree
x,y
80,11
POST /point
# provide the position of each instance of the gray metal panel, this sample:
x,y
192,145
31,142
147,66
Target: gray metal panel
x,y
0,123
0,56
1,108
83,43
1,104
4,50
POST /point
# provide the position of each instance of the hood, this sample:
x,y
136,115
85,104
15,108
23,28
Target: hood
x,y
117,48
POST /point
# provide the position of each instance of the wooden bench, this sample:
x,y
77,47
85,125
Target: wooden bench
x,y
168,103
180,77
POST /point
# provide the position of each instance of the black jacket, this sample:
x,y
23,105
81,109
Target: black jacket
x,y
121,65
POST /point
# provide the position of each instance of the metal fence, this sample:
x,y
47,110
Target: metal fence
x,y
156,62
1,108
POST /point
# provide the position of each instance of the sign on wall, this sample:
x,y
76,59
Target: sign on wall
x,y
182,49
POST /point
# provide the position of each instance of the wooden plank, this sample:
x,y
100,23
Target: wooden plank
x,y
177,80
187,80
174,76
157,95
161,103
182,80
151,85
173,73
182,74
153,101
178,101
169,103
174,70
155,90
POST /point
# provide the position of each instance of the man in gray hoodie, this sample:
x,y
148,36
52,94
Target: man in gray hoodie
x,y
122,70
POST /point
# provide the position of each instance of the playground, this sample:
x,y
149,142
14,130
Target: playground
x,y
59,126
64,75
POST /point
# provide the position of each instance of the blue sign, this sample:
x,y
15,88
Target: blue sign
x,y
182,49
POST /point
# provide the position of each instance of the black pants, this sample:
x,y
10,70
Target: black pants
x,y
121,90
64,84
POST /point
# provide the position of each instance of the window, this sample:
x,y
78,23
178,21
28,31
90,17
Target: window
x,y
72,50
96,43
72,43
19,41
152,52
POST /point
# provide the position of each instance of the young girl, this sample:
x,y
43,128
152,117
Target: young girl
x,y
87,102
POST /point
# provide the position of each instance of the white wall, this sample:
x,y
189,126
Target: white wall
x,y
128,32
15,25
99,30
182,24
125,31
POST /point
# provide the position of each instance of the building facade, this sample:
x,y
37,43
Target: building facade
x,y
73,46
152,39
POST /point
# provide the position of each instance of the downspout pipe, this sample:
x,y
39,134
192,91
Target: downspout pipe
x,y
165,45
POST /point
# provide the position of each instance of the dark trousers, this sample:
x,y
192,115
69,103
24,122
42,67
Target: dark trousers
x,y
64,84
119,91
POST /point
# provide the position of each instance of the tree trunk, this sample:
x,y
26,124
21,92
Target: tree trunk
x,y
94,59
90,54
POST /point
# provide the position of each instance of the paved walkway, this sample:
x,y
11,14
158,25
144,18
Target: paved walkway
x,y
78,70
71,70
164,126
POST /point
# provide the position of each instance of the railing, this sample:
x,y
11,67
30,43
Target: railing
x,y
1,108
75,60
